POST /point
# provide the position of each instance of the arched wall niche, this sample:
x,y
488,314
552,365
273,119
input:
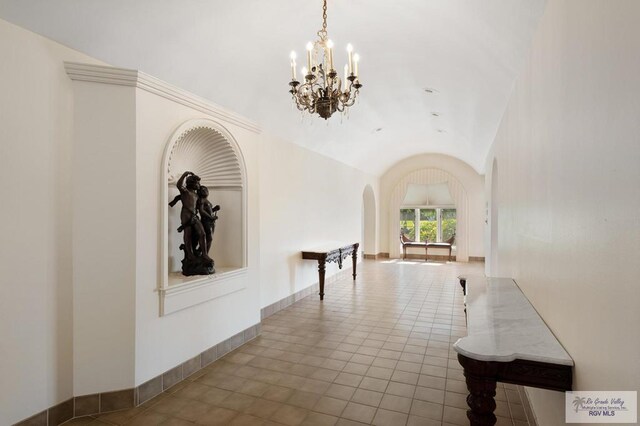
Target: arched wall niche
x,y
207,149
429,176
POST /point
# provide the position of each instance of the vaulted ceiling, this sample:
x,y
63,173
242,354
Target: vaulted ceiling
x,y
236,54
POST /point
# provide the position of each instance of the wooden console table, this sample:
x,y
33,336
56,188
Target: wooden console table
x,y
507,342
332,253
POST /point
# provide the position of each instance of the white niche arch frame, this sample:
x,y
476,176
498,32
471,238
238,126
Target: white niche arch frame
x,y
430,176
208,149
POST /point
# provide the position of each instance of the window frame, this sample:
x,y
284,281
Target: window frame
x,y
438,208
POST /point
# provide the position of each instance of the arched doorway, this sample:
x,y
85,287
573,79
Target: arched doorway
x,y
369,221
493,222
456,190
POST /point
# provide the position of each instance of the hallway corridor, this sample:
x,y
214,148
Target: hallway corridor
x,y
374,352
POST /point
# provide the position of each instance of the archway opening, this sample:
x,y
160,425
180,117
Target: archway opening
x,y
493,221
369,221
457,204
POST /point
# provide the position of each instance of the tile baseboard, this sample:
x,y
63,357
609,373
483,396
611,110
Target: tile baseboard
x,y
443,257
526,404
106,402
377,256
271,309
314,288
437,257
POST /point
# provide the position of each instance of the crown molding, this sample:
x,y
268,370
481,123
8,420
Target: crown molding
x,y
138,79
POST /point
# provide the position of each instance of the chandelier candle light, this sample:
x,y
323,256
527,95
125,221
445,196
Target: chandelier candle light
x,y
323,91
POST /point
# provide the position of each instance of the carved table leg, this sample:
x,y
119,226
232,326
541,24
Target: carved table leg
x,y
481,382
321,271
463,284
354,258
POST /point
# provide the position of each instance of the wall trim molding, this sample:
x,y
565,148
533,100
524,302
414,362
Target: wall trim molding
x,y
138,79
106,402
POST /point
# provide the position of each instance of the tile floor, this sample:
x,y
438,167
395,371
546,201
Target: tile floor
x,y
377,352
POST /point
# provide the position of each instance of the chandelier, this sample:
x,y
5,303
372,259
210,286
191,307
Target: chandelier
x,y
323,92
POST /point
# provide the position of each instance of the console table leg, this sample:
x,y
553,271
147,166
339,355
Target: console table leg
x,y
481,382
321,271
354,258
481,401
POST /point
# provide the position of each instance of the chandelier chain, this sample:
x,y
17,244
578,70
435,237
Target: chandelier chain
x,y
323,32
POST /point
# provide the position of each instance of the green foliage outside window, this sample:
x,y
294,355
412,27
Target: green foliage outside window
x,y
408,228
428,214
428,230
428,224
407,223
448,228
449,222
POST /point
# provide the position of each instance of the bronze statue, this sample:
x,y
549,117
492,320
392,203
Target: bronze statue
x,y
208,214
197,237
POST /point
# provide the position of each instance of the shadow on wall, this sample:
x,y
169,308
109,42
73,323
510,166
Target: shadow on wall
x,y
293,262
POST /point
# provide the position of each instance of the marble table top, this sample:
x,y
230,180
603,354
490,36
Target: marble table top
x,y
503,326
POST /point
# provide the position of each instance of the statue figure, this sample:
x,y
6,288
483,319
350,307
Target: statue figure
x,y
208,214
197,260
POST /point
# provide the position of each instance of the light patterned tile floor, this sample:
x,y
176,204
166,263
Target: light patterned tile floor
x,y
374,352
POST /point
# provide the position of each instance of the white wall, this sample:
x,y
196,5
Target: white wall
x,y
50,202
306,199
472,182
103,237
568,155
164,342
36,119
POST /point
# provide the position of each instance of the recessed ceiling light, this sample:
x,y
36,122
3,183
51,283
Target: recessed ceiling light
x,y
436,114
430,90
377,130
441,131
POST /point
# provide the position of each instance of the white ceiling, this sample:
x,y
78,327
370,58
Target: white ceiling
x,y
236,53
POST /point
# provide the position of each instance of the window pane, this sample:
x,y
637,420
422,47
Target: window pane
x,y
427,214
449,222
407,223
428,225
